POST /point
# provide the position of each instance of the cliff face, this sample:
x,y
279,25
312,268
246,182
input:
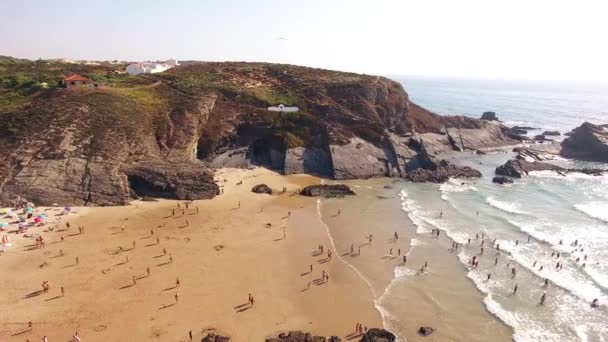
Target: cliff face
x,y
160,135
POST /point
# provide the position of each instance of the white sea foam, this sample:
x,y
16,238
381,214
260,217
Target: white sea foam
x,y
597,210
509,207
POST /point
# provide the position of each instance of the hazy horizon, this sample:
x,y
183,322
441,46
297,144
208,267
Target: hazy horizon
x,y
472,39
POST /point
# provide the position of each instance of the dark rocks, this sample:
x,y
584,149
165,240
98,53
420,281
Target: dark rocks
x,y
502,180
588,142
262,189
525,128
327,190
489,116
480,153
378,335
541,138
211,337
426,331
551,133
519,167
299,336
440,172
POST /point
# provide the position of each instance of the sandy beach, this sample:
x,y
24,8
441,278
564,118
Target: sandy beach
x,y
239,243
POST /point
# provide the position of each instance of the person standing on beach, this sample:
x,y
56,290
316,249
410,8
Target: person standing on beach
x,y
396,236
542,298
190,333
495,261
62,292
546,282
513,272
133,244
489,276
177,282
134,281
404,259
311,268
399,252
390,251
352,249
176,297
515,289
148,271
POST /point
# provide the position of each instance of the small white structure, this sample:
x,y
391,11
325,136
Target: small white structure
x,y
150,67
283,108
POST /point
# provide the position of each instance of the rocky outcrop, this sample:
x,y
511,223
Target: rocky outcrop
x,y
327,190
502,180
134,139
489,116
588,142
378,335
551,133
426,331
262,189
299,336
518,167
444,170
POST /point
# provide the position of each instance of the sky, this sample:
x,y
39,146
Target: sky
x,y
506,39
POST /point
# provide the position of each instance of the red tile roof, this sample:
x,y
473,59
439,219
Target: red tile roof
x,y
76,77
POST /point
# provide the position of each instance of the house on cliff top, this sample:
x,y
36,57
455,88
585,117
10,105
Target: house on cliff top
x,y
282,108
76,80
151,67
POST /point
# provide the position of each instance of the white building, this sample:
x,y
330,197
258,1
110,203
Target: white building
x,y
150,67
283,108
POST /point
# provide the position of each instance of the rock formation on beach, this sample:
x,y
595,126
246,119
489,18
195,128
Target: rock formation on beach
x,y
327,190
299,336
262,189
378,335
587,142
161,135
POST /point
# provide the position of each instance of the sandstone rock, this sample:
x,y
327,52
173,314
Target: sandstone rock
x,y
327,190
262,189
489,116
551,133
502,180
378,335
587,142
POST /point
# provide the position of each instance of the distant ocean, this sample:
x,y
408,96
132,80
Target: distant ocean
x,y
548,105
566,215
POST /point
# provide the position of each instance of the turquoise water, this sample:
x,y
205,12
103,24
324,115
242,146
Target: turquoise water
x,y
552,210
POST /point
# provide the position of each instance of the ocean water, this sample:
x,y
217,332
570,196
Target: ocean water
x,y
531,221
566,215
558,106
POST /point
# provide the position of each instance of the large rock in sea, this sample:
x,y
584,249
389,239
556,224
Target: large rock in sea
x,y
502,180
552,133
378,335
519,167
489,116
425,169
327,190
588,142
262,189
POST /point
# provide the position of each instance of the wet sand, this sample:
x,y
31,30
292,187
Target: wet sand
x,y
442,297
220,255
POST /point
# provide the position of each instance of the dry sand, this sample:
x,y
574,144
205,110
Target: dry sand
x,y
221,255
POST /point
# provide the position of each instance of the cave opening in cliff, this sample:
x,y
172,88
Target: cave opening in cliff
x,y
268,152
144,188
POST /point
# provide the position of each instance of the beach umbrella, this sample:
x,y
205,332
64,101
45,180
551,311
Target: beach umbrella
x,y
29,209
42,216
5,210
68,209
3,224
37,220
